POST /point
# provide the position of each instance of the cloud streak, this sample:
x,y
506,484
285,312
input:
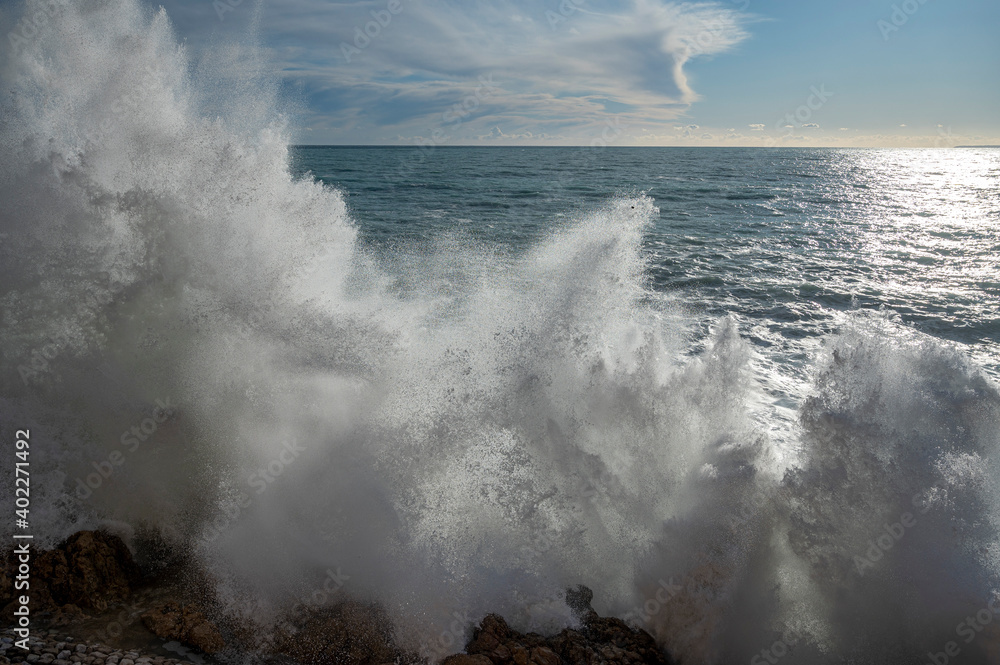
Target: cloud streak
x,y
378,70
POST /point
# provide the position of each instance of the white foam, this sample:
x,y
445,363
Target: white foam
x,y
462,431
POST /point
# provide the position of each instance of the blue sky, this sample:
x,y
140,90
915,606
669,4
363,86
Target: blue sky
x,y
633,72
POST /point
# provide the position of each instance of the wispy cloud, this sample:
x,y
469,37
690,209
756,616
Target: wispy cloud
x,y
381,69
389,71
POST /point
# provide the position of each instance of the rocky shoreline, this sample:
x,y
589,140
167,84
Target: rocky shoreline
x,y
135,613
65,650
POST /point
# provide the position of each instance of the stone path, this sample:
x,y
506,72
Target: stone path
x,y
65,651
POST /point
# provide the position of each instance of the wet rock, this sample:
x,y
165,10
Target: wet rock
x,y
185,624
500,655
86,572
90,569
489,636
600,641
465,659
484,642
66,615
544,656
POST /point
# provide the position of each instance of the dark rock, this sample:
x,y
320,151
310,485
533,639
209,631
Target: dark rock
x,y
500,655
185,624
66,615
600,641
495,625
544,656
482,643
464,659
88,571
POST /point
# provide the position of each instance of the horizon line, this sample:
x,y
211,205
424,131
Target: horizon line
x,y
549,145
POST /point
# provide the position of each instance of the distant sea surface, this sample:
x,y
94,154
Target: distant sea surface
x,y
785,239
457,381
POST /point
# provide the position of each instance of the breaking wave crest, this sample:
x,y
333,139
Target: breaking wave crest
x,y
199,341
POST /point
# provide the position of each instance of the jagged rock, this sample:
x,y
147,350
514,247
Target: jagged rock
x,y
489,636
92,571
464,659
544,656
600,641
87,571
485,643
185,624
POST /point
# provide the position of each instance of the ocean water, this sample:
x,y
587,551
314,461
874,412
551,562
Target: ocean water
x,y
749,397
793,242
